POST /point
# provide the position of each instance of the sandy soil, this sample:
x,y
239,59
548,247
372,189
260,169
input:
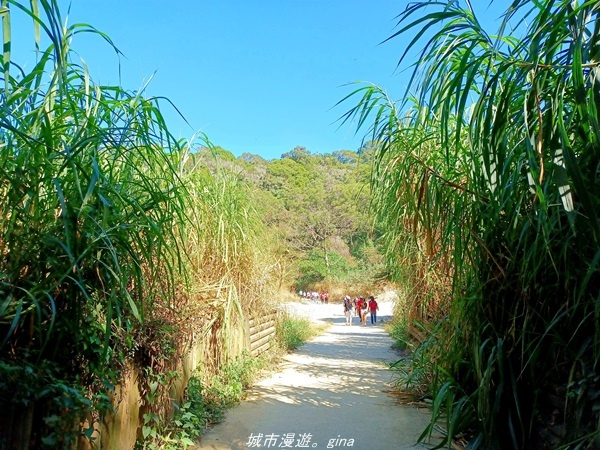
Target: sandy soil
x,y
330,393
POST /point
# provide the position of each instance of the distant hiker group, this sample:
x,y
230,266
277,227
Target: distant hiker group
x,y
361,308
315,296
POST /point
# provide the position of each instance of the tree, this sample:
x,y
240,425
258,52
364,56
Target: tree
x,y
297,154
314,205
345,156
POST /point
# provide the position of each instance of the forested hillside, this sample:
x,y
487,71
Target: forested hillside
x,y
316,208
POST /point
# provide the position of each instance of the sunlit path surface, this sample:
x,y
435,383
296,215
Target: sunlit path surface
x,y
331,393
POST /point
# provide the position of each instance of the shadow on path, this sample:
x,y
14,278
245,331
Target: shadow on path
x,y
330,393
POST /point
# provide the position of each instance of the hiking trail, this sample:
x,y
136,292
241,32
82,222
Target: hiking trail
x,y
332,392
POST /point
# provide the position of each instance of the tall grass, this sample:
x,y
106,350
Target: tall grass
x,y
90,201
292,332
493,173
227,253
109,239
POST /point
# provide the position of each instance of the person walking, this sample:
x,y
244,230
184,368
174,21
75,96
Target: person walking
x,y
373,308
348,306
361,308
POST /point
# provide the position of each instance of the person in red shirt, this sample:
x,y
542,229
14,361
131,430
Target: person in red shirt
x,y
373,308
361,309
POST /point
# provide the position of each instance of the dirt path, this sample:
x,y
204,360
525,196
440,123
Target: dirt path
x,y
330,393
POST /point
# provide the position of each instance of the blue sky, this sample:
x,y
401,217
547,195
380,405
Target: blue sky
x,y
258,76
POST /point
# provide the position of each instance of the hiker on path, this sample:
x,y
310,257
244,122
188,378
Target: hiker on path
x,y
373,307
361,308
348,306
315,296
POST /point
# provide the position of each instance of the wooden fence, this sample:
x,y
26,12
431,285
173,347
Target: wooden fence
x,y
261,331
119,430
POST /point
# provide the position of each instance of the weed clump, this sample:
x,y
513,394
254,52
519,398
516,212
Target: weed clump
x,y
291,332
